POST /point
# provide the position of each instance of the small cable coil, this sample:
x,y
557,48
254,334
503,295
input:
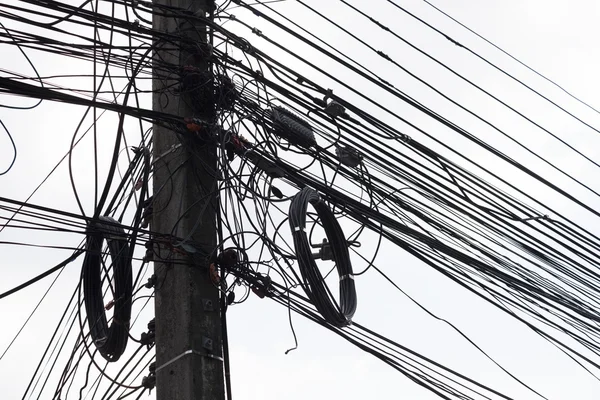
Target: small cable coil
x,y
313,282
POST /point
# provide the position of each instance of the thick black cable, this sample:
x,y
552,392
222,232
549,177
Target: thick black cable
x,y
314,283
110,340
43,274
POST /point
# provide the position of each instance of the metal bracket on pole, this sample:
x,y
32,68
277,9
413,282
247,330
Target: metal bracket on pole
x,y
185,353
207,343
207,305
166,153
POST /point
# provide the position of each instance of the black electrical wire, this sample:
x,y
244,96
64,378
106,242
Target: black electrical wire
x,y
540,269
110,340
30,316
12,142
507,54
43,274
314,283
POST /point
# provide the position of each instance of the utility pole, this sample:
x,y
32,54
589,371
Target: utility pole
x,y
188,336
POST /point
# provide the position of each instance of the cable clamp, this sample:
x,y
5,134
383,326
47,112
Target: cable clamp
x,y
385,28
185,353
171,149
344,277
299,228
382,54
453,41
325,252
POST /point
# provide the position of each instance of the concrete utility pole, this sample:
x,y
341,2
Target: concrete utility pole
x,y
189,351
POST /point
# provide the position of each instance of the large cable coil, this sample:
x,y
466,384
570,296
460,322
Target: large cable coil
x,y
313,281
110,341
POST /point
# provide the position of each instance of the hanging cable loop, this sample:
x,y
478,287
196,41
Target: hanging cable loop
x,y
111,341
313,282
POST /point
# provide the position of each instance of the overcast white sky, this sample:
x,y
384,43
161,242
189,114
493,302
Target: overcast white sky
x,y
558,38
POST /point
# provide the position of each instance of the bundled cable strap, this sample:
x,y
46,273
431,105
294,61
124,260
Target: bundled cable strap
x,y
313,282
291,127
110,340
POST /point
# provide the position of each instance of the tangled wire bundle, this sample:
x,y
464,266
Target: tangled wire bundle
x,y
111,341
313,281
